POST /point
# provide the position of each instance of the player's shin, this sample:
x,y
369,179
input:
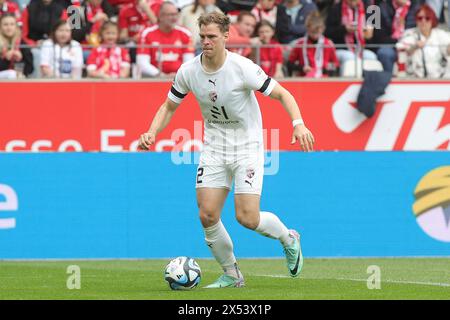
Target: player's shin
x,y
271,226
219,242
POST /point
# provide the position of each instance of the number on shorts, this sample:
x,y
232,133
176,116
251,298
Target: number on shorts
x,y
199,175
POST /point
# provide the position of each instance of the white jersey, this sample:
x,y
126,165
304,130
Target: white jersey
x,y
228,104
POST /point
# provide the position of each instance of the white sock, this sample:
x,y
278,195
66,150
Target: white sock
x,y
270,226
221,246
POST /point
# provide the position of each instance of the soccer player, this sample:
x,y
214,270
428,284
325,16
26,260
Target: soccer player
x,y
224,83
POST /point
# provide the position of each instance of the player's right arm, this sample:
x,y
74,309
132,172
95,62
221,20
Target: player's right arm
x,y
160,121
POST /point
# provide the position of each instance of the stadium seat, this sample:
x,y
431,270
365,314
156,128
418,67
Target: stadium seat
x,y
348,68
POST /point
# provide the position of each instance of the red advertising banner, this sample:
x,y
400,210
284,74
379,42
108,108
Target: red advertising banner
x,y
110,116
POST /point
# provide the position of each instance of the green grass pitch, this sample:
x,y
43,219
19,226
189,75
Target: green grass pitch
x,y
401,278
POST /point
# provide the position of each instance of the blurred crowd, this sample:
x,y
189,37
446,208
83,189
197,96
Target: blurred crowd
x,y
152,38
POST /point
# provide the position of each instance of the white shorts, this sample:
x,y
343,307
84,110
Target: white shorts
x,y
218,171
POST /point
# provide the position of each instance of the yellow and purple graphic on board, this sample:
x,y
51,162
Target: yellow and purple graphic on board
x,y
432,205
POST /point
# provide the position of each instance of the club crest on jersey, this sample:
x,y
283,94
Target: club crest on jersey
x,y
213,96
250,173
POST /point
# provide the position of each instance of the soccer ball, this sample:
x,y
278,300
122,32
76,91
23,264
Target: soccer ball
x,y
182,273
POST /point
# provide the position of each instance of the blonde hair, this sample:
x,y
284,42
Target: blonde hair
x,y
215,17
6,42
314,20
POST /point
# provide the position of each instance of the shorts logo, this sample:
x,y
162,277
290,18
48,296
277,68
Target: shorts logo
x,y
250,175
432,205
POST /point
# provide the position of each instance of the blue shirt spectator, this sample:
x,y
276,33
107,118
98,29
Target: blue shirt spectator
x,y
298,10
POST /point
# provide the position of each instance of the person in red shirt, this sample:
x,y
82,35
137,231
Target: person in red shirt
x,y
173,45
240,35
108,61
270,57
135,17
314,55
10,7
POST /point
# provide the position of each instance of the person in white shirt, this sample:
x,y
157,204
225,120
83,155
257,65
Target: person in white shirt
x,y
427,47
61,57
223,84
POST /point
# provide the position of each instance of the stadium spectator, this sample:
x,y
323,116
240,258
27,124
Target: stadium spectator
x,y
182,3
233,7
190,14
38,18
240,34
270,57
346,25
61,56
174,45
297,10
7,6
11,54
396,16
275,14
427,47
265,10
324,6
314,55
119,4
109,60
135,17
93,15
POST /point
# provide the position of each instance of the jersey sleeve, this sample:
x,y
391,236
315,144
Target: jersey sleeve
x,y
179,88
256,79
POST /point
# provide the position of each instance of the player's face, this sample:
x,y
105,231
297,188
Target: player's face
x,y
212,39
8,27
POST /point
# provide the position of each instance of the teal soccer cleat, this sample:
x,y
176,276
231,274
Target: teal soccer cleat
x,y
225,281
294,255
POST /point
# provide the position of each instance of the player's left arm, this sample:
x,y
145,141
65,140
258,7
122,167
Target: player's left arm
x,y
301,132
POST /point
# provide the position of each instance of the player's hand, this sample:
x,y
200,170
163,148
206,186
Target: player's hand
x,y
147,139
304,136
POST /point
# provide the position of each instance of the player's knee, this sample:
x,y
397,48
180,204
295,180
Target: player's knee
x,y
247,218
208,218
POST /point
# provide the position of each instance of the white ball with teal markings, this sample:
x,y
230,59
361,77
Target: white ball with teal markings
x,y
182,273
